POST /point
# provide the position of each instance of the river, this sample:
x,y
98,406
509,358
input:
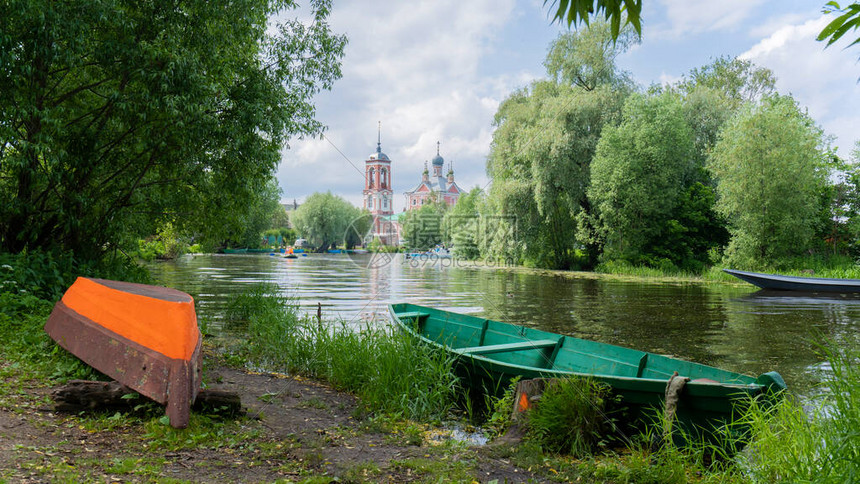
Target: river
x,y
734,327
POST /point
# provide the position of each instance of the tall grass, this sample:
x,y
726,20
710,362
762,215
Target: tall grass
x,y
621,267
571,417
818,442
388,370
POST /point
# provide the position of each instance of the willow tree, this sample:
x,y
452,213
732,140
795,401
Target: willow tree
x,y
770,166
327,220
117,115
543,145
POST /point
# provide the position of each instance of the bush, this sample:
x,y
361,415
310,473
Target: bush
x,y
572,417
23,341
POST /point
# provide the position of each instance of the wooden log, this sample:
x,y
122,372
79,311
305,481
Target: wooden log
x,y
79,395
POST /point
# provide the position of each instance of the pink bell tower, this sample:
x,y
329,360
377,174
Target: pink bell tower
x,y
378,194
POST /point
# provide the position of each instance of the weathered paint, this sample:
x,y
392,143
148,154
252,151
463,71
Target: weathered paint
x,y
172,381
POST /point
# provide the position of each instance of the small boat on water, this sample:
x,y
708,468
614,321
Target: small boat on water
x,y
236,251
435,253
145,337
490,354
796,283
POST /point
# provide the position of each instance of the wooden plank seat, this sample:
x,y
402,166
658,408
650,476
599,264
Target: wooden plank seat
x,y
539,344
413,315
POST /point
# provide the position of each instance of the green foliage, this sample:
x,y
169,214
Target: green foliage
x,y
25,345
390,372
166,244
117,116
769,164
327,220
462,224
586,59
848,20
737,80
816,441
640,175
576,11
573,417
423,227
47,274
499,419
543,147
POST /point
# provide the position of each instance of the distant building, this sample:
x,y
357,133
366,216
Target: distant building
x,y
378,196
442,188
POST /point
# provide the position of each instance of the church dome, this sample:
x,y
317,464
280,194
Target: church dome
x,y
438,160
378,155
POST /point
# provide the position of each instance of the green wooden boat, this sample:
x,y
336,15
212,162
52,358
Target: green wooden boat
x,y
236,251
491,353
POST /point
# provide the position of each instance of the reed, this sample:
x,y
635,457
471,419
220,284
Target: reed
x,y
816,441
389,371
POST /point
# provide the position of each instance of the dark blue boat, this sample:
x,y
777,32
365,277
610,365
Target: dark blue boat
x,y
796,283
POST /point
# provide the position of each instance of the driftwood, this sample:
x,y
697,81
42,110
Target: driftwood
x,y
78,395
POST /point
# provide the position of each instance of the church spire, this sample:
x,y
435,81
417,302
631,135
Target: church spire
x,y
379,137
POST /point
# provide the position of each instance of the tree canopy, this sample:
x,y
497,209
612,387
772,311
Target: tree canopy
x,y
640,170
119,115
770,166
327,220
545,139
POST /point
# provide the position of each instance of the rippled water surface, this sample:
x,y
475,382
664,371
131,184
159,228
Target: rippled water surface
x,y
733,327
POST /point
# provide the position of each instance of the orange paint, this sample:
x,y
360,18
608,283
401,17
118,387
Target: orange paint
x,y
167,327
524,403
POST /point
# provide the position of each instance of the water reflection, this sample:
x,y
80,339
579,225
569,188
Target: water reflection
x,y
733,327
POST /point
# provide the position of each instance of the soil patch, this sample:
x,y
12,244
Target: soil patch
x,y
293,430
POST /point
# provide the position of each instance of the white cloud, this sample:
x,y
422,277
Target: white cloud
x,y
415,67
669,79
686,17
824,80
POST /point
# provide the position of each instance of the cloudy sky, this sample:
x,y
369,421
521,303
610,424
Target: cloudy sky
x,y
436,70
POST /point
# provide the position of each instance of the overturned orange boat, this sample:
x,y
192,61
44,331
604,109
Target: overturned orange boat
x,y
145,337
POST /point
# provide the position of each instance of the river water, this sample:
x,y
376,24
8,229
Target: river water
x,y
735,327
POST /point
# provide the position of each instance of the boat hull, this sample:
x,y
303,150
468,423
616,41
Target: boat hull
x,y
160,359
796,283
490,354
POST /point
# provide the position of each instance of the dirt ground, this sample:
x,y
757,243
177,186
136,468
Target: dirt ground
x,y
300,430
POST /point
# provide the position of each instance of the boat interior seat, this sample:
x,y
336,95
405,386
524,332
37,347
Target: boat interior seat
x,y
416,315
540,344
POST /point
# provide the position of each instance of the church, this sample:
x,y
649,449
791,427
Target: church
x,y
378,193
378,199
443,188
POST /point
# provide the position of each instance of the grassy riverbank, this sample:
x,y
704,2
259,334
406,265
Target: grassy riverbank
x,y
364,404
838,267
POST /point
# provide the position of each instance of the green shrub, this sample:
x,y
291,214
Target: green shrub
x,y
24,343
47,275
573,416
